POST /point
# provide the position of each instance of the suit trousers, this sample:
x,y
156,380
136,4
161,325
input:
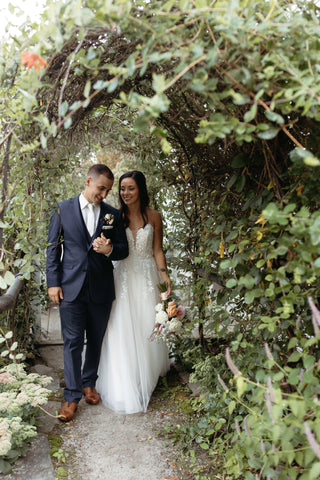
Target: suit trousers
x,y
82,318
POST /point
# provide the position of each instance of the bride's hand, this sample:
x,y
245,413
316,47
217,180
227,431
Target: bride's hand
x,y
168,292
102,245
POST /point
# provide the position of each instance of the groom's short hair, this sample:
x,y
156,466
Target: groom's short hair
x,y
100,169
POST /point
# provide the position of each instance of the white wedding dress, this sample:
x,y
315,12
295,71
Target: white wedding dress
x,y
130,363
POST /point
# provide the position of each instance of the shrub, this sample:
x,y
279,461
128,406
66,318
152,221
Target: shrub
x,y
278,436
21,395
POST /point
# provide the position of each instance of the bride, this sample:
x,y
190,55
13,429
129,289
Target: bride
x,y
130,364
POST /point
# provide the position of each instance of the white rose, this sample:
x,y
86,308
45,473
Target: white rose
x,y
175,325
161,317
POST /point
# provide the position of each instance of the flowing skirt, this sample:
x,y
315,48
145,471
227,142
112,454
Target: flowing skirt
x,y
130,363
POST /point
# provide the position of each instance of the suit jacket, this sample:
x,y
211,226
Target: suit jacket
x,y
71,258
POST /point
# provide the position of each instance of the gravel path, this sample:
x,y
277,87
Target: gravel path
x,y
98,444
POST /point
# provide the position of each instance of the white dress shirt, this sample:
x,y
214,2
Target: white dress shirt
x,y
90,216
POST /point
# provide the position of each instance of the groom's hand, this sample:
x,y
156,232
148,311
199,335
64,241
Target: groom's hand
x,y
102,245
55,294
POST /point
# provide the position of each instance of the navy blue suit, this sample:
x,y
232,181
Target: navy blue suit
x,y
86,280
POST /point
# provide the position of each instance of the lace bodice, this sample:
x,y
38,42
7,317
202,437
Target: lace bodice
x,y
142,244
139,263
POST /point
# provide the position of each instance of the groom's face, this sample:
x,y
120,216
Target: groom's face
x,y
97,188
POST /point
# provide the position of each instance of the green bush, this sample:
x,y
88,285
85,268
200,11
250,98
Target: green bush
x,y
21,395
278,436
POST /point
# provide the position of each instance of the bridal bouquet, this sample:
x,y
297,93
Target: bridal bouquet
x,y
168,319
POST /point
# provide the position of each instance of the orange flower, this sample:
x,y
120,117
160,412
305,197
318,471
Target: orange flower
x,y
172,309
32,60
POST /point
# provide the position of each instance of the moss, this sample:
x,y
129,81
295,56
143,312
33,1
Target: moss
x,y
55,442
61,473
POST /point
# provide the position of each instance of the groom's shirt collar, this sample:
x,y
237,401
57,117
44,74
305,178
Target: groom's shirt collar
x,y
83,201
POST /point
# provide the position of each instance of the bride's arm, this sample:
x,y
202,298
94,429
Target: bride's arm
x,y
158,250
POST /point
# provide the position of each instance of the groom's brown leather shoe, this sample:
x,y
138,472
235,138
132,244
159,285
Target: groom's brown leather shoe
x,y
91,395
67,411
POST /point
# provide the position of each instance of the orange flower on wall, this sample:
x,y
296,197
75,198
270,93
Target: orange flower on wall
x,y
32,60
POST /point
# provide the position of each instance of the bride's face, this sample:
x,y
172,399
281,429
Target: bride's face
x,y
129,191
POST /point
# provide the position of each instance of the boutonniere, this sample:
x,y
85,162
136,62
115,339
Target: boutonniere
x,y
109,219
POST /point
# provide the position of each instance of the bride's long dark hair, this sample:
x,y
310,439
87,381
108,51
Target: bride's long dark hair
x,y
140,180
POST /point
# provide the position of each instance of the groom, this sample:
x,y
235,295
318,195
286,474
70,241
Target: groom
x,y
80,280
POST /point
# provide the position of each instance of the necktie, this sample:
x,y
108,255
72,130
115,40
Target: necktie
x,y
91,224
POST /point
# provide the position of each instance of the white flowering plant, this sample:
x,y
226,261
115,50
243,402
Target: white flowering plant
x,y
21,397
169,317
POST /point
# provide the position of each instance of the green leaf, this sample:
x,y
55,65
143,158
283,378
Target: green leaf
x,y
231,406
200,3
292,342
5,467
314,230
3,283
63,108
183,4
250,115
294,376
67,123
294,357
315,471
100,84
28,95
13,346
113,85
231,283
254,463
241,386
165,145
268,134
274,215
204,446
43,141
260,263
247,281
9,278
158,83
232,181
301,154
297,409
311,161
240,183
249,297
225,264
274,117
239,161
87,89
76,105
309,361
